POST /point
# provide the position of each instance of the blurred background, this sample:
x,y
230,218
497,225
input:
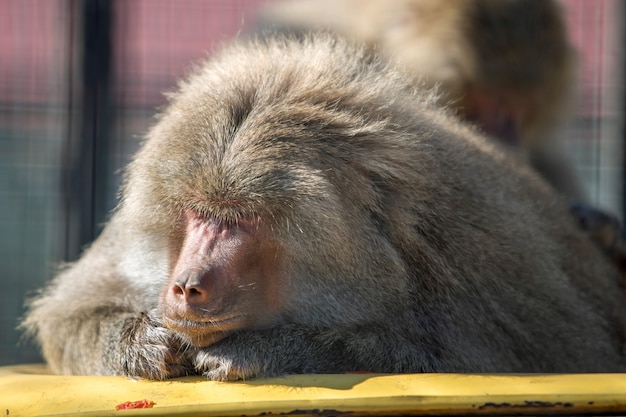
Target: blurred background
x,y
80,82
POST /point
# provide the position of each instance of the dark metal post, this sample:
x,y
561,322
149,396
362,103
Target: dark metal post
x,y
89,122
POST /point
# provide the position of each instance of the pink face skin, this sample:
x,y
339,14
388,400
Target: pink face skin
x,y
223,280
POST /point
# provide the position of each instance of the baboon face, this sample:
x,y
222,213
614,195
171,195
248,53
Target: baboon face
x,y
260,196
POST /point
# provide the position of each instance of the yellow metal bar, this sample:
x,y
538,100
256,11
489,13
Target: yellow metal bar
x,y
30,390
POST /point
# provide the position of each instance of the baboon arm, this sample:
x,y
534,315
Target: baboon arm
x,y
97,319
293,349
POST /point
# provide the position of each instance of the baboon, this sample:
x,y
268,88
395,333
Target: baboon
x,y
505,65
300,207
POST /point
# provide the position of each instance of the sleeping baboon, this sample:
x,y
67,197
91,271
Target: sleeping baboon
x,y
505,65
300,208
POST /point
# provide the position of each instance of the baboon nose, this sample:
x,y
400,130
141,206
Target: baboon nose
x,y
191,290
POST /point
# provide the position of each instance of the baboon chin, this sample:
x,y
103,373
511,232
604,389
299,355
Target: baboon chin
x,y
301,208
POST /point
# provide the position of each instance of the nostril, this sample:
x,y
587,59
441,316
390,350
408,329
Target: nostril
x,y
178,288
194,291
195,294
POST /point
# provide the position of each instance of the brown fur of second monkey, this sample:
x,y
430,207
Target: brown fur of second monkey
x,y
505,64
300,208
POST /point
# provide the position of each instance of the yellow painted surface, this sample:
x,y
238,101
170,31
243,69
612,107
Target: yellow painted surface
x,y
30,390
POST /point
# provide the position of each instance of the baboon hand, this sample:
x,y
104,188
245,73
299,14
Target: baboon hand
x,y
149,350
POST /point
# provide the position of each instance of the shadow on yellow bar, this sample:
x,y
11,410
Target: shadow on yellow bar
x,y
30,390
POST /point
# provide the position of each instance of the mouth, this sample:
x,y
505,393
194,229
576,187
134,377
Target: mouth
x,y
202,333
